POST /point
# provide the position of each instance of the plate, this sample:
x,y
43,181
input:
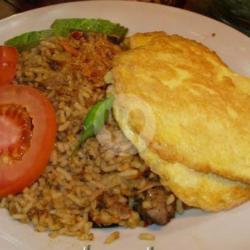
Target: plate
x,y
194,230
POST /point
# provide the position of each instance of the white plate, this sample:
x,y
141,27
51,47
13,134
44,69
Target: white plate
x,y
194,230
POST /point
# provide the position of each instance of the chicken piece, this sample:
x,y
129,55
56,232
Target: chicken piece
x,y
154,209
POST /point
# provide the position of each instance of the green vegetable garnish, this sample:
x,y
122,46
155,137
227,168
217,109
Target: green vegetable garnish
x,y
29,39
95,120
64,26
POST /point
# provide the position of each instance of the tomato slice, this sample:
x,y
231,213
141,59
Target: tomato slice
x,y
27,132
8,62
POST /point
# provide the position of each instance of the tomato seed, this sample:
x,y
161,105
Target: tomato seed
x,y
18,117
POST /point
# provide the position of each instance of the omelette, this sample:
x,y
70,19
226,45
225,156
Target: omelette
x,y
188,116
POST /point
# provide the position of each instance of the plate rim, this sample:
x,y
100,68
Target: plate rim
x,y
129,2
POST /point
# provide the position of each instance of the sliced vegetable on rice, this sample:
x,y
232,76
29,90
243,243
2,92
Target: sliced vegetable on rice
x,y
27,132
62,27
95,120
29,39
8,62
65,26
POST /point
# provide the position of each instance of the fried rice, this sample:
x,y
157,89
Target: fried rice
x,y
105,183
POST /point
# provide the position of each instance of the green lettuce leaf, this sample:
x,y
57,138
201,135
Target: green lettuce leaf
x,y
29,39
64,26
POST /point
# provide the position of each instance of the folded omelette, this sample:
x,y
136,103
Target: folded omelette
x,y
188,115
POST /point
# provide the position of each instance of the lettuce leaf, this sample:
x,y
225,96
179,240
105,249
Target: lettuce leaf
x,y
64,26
29,39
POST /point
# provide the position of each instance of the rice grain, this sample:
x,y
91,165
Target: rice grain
x,y
112,237
146,236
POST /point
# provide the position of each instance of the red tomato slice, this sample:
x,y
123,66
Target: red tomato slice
x,y
27,132
8,62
